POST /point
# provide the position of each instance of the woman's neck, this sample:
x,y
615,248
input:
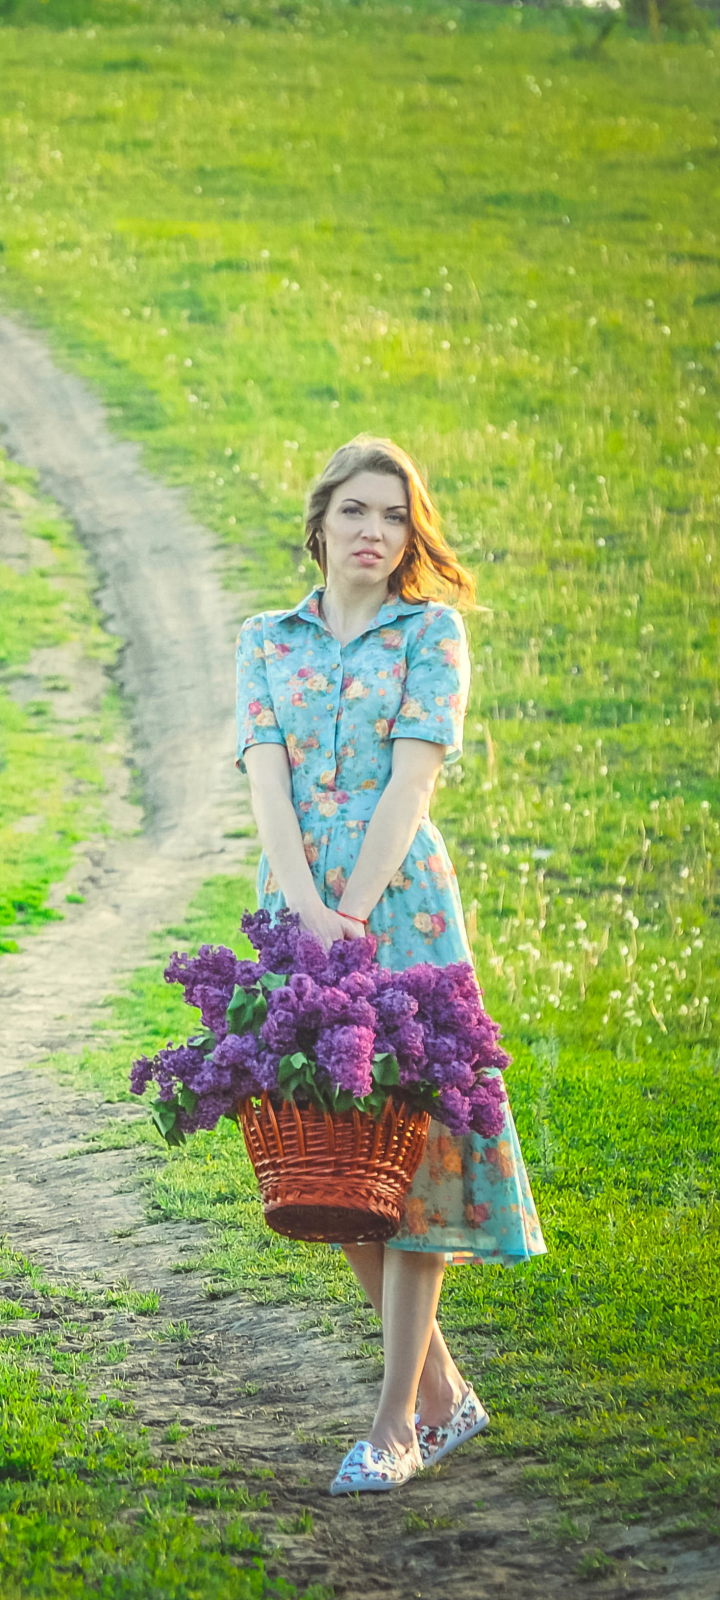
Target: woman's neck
x,y
347,612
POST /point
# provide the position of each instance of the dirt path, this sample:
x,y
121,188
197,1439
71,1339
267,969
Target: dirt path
x,y
159,589
252,1385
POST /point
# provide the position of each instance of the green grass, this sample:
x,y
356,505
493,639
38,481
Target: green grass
x,y
53,778
599,1361
507,258
85,1505
570,439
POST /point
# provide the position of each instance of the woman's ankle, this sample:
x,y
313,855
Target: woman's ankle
x,y
394,1435
439,1401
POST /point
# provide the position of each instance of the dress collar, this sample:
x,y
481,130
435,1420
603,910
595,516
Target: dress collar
x,y
309,610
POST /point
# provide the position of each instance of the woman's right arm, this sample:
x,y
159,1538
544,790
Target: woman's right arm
x,y
268,770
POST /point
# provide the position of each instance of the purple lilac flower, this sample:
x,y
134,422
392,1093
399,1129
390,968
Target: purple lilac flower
x,y
351,955
176,1066
308,998
247,974
358,985
346,1054
394,1004
206,1114
239,1051
213,965
419,981
279,1031
276,941
311,959
399,1031
498,1058
208,980
141,1073
256,925
341,1008
213,1005
254,1067
214,1078
455,1110
488,1100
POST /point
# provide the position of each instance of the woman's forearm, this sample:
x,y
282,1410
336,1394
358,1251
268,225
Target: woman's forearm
x,y
278,826
282,842
389,835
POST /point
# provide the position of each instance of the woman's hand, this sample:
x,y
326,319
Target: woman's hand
x,y
327,925
354,929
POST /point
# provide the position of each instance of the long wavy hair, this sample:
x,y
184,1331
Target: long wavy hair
x,y
429,570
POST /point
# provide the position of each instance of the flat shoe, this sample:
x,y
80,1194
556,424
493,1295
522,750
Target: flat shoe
x,y
365,1468
469,1419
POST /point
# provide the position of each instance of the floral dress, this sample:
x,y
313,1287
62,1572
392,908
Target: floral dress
x,y
337,709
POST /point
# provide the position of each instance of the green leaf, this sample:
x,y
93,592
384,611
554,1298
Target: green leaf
x,y
186,1099
274,980
165,1118
241,1010
241,997
175,1136
290,1087
287,1069
204,1040
259,1013
164,1113
385,1068
375,1101
343,1099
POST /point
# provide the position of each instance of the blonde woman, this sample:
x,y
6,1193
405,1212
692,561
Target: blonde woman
x,y
349,704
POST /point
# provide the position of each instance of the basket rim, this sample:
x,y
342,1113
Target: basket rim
x,y
278,1103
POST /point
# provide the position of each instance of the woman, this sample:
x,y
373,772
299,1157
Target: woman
x,y
348,706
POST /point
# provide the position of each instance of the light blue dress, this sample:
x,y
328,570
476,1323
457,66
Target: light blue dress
x,y
337,709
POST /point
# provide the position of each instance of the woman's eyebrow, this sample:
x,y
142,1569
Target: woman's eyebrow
x,y
351,500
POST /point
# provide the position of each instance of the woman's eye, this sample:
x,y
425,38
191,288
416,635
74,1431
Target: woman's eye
x,y
391,516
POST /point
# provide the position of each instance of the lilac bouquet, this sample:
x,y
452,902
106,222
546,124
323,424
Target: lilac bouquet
x,y
328,1028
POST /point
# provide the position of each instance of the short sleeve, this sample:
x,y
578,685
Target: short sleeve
x,y
438,682
256,720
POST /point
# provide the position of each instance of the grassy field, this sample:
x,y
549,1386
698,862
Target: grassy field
x,y
85,1505
255,243
599,1361
59,749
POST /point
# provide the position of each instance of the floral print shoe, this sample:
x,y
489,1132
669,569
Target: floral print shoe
x,y
469,1419
365,1467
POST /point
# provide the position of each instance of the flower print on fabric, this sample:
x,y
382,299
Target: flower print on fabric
x,y
338,710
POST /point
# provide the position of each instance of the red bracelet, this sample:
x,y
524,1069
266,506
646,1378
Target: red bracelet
x,y
350,918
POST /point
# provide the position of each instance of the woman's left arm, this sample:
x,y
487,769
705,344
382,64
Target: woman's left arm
x,y
394,823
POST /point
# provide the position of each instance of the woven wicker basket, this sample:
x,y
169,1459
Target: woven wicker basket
x,y
336,1178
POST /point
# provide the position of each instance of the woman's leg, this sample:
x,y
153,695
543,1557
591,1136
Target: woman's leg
x,y
441,1387
411,1290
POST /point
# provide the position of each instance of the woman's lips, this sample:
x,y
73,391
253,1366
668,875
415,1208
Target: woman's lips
x,y
367,557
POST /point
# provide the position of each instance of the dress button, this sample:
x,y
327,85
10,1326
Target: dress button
x,y
334,666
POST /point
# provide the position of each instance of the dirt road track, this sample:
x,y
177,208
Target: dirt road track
x,y
160,591
252,1383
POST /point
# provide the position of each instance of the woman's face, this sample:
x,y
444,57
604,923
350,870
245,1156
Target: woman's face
x,y
366,529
